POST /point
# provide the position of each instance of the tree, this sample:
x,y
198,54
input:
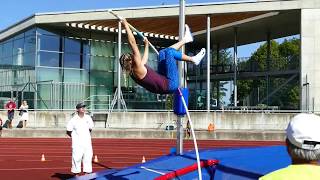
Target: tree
x,y
198,88
225,58
284,56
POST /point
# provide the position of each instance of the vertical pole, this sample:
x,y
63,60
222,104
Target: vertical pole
x,y
37,63
182,82
208,63
51,94
64,86
218,82
313,105
22,95
268,66
119,69
235,49
307,93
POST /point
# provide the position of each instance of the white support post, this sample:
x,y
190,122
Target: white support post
x,y
119,68
208,62
182,82
235,63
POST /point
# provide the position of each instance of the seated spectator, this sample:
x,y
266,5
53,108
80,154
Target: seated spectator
x,y
188,130
303,146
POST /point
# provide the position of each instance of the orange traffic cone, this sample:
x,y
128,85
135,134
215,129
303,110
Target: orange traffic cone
x,y
143,159
95,159
43,158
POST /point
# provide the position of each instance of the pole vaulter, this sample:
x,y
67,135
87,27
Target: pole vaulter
x,y
135,64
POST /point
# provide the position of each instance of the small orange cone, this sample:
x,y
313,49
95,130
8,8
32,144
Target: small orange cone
x,y
43,158
143,159
211,127
95,159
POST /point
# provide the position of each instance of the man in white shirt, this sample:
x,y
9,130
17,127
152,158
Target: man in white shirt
x,y
79,129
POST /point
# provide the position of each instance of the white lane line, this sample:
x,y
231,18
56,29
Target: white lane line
x,y
34,160
26,169
155,171
49,168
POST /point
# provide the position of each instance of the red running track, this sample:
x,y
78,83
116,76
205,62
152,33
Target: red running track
x,y
20,158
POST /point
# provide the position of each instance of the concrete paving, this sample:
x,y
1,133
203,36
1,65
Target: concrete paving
x,y
270,135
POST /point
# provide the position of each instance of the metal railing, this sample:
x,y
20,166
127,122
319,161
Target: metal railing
x,y
98,103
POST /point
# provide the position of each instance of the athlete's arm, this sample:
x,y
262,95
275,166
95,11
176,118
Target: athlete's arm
x,y
146,51
132,43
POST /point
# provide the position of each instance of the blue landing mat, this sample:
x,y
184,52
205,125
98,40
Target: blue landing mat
x,y
235,163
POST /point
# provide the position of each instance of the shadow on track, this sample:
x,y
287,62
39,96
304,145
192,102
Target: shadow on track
x,y
62,176
101,165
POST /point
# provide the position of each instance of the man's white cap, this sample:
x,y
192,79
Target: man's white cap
x,y
304,131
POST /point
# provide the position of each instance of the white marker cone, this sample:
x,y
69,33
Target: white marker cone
x,y
43,158
95,159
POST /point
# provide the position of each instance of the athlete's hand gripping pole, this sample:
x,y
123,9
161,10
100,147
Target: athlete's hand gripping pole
x,y
140,35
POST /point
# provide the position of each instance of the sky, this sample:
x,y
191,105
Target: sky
x,y
13,11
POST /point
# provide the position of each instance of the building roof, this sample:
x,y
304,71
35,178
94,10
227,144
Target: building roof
x,y
253,19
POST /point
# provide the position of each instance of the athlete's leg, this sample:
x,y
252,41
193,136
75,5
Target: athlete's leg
x,y
186,39
179,56
193,59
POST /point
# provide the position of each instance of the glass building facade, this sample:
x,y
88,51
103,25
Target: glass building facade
x,y
54,69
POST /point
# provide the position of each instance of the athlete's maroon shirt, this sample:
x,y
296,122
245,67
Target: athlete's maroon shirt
x,y
153,82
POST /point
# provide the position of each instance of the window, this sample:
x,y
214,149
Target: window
x,y
49,43
28,59
7,49
101,63
71,60
85,47
30,44
19,36
45,32
72,51
6,60
51,59
30,32
75,76
18,46
1,53
85,61
47,74
72,46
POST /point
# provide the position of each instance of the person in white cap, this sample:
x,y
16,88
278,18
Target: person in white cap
x,y
303,146
79,129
